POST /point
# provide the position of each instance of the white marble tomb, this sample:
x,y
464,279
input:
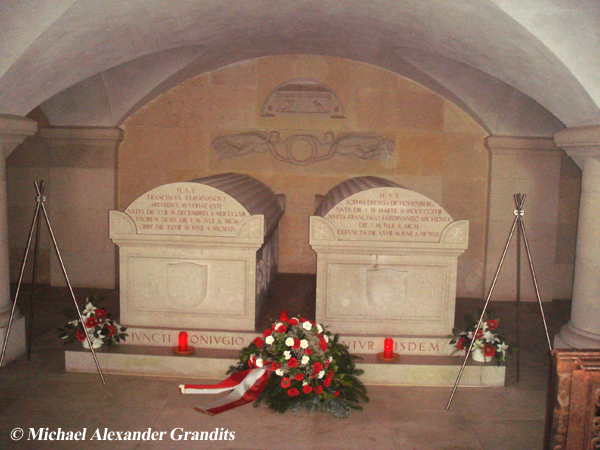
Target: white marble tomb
x,y
386,260
198,254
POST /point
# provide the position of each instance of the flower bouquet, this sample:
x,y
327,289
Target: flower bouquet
x,y
487,340
101,328
294,363
311,368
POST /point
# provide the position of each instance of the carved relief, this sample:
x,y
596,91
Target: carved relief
x,y
304,149
302,96
186,284
385,290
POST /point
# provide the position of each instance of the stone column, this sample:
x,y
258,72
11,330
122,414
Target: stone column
x,y
583,330
13,131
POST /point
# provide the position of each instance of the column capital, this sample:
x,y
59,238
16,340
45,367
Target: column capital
x,y
580,143
13,131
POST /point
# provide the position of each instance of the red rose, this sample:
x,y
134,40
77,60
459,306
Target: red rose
x,y
91,322
293,321
100,314
296,343
286,382
111,330
299,377
318,390
283,315
327,382
258,342
302,319
492,324
312,323
317,367
267,332
308,351
293,362
80,335
331,374
323,346
336,393
282,329
307,389
489,350
293,392
460,344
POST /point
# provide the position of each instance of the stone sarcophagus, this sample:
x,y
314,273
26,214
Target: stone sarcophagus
x,y
198,254
386,260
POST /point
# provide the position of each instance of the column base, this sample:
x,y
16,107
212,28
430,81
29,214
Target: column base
x,y
572,337
16,346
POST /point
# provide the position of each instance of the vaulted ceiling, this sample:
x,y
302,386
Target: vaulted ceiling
x,y
525,68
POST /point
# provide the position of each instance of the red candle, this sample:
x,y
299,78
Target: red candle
x,y
388,348
183,342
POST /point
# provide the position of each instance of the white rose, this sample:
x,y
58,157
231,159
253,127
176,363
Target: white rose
x,y
289,342
305,360
287,354
304,343
269,340
319,328
321,374
259,362
307,326
330,359
326,338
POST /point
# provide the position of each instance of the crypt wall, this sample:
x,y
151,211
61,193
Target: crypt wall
x,y
438,149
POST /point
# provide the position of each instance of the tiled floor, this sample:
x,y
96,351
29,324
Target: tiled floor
x,y
39,394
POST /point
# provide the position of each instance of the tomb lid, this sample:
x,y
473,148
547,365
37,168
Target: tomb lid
x,y
253,195
374,209
226,205
347,188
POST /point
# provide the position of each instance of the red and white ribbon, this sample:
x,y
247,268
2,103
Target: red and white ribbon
x,y
246,385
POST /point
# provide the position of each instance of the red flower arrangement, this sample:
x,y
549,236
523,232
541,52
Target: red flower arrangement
x,y
308,366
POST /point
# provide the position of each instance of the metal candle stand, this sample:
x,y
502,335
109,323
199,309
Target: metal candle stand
x,y
519,201
40,199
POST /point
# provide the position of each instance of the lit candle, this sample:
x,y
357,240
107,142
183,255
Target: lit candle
x,y
388,348
183,342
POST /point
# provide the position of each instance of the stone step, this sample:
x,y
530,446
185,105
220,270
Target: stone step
x,y
212,364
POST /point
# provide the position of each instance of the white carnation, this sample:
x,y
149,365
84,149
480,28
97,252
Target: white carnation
x,y
269,340
304,343
319,328
259,362
287,354
307,326
305,360
289,342
279,372
326,338
321,374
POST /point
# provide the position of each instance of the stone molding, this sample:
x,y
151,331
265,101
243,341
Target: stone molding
x,y
86,133
529,146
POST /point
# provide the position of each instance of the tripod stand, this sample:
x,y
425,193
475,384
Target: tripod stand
x,y
35,225
518,221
